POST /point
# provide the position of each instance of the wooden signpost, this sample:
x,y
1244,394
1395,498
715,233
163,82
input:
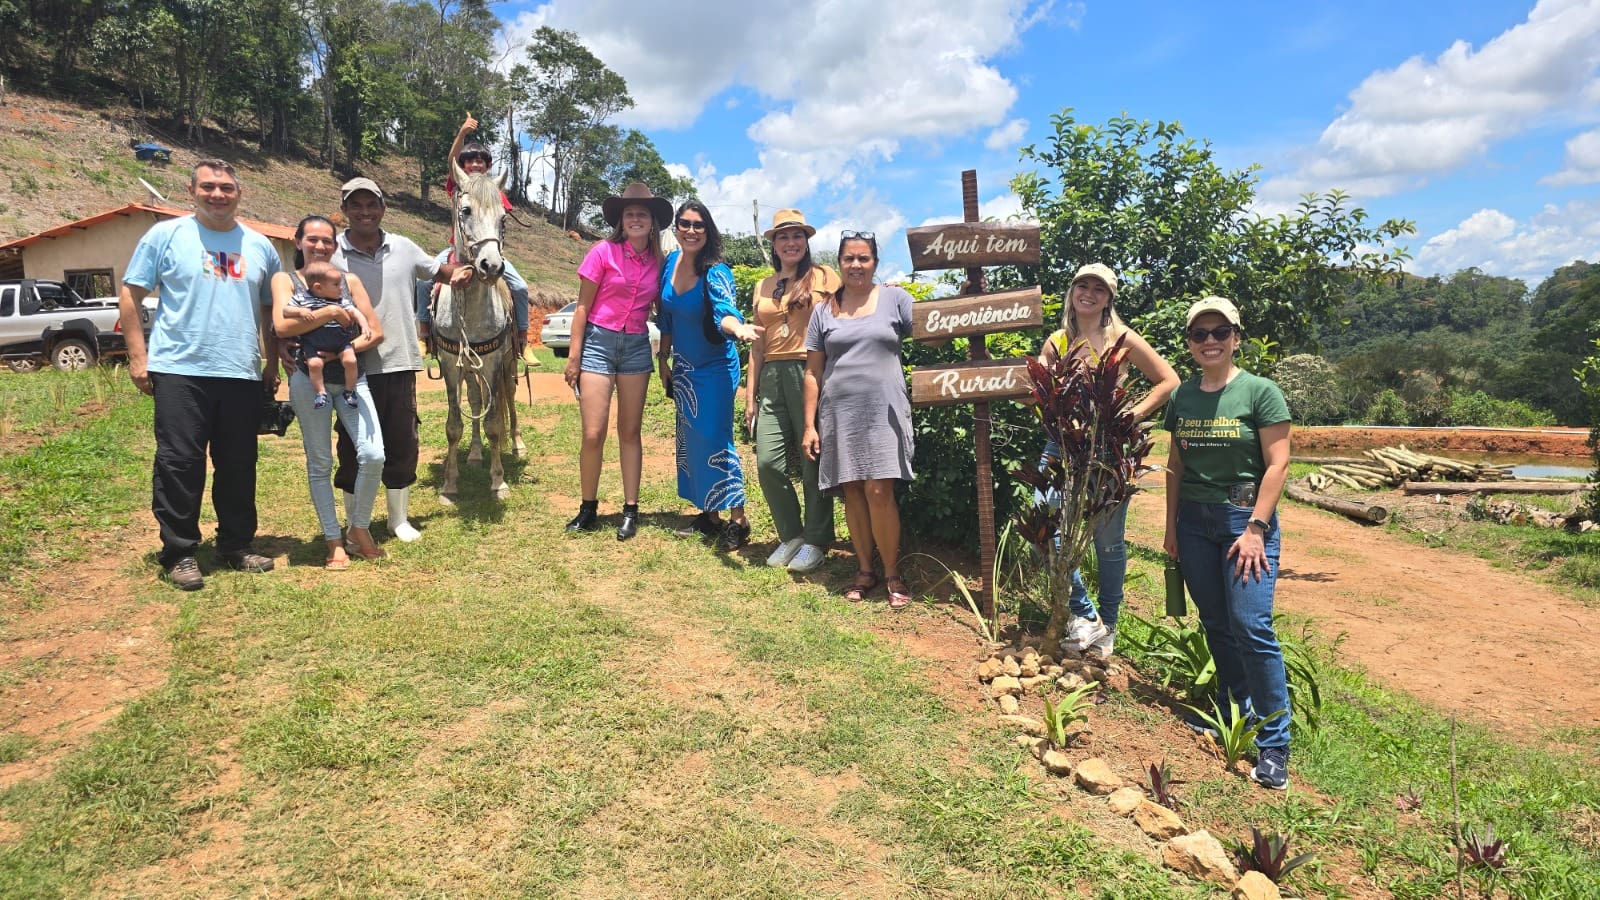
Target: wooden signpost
x,y
971,245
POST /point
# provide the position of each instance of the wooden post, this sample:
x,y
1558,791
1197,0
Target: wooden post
x,y
979,350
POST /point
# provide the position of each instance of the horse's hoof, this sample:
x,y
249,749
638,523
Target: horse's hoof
x,y
476,458
502,493
519,447
447,499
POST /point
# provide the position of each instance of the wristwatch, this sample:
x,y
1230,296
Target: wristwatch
x,y
1261,524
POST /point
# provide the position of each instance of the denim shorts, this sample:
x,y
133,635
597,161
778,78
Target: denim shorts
x,y
607,352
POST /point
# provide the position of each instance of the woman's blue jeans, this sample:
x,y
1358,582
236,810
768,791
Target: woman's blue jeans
x,y
1236,613
1111,561
316,434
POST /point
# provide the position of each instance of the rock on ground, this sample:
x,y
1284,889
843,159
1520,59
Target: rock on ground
x,y
1255,886
1094,776
1157,821
1124,801
1201,856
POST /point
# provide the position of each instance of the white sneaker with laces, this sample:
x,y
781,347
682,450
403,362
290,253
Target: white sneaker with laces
x,y
1083,633
1104,645
785,552
809,557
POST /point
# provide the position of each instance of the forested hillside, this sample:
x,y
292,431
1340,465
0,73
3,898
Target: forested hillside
x,y
1463,349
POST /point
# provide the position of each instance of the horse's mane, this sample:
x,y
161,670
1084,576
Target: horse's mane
x,y
483,190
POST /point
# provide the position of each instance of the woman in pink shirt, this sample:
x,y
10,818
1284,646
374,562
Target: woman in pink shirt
x,y
619,281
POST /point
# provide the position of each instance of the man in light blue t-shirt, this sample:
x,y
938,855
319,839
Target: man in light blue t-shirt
x,y
205,368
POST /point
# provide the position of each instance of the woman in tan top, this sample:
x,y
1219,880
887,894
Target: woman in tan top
x,y
775,402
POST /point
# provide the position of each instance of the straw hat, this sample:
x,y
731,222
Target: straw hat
x,y
788,218
638,192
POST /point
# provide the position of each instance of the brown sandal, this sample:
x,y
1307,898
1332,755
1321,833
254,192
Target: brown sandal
x,y
899,594
864,584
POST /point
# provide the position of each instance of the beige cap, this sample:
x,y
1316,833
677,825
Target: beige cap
x,y
360,184
1100,271
1220,305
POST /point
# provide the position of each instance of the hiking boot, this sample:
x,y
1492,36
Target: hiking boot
x,y
1083,633
734,535
1272,768
807,560
245,561
785,552
185,574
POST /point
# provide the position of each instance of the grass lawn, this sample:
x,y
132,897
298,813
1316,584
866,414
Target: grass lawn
x,y
501,708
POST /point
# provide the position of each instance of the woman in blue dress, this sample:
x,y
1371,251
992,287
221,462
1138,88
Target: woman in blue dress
x,y
700,363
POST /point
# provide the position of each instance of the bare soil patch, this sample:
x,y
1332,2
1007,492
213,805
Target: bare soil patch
x,y
1520,441
74,664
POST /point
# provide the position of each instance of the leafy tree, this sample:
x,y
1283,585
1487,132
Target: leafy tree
x,y
568,92
1313,388
1588,374
1565,319
1388,409
1152,204
610,160
746,250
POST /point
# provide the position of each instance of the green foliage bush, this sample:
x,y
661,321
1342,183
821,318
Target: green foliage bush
x,y
1478,408
1388,409
1314,388
1588,374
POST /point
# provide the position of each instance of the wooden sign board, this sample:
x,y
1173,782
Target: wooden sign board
x,y
933,320
962,245
971,382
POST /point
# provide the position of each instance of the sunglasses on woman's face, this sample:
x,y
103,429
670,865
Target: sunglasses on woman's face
x,y
691,225
1220,333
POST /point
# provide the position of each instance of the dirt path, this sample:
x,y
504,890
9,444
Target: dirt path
x,y
1447,628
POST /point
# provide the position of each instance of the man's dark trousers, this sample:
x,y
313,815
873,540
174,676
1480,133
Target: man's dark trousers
x,y
192,414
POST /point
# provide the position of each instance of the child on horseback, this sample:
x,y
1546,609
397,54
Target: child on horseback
x,y
474,158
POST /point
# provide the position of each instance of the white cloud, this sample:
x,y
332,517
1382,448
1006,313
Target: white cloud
x,y
1530,250
1582,162
1425,118
1007,136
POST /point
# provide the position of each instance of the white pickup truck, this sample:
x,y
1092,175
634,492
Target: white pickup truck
x,y
46,321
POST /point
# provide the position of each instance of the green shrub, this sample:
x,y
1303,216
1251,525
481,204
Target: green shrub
x,y
1315,390
1388,409
1478,408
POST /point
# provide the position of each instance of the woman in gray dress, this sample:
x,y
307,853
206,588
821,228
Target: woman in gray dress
x,y
857,412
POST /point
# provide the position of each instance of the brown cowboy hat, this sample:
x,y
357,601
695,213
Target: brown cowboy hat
x,y
788,218
638,192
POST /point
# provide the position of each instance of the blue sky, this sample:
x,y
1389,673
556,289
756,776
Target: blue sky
x,y
1479,120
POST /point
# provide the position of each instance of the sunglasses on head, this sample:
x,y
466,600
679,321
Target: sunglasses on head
x,y
691,225
852,235
1219,333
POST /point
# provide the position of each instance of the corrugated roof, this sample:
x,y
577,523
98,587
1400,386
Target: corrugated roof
x,y
275,232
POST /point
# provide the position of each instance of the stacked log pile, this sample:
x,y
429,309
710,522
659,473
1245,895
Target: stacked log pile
x,y
1390,467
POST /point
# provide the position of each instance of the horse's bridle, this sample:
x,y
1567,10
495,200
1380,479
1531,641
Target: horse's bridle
x,y
473,247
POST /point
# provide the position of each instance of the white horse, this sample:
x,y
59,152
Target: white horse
x,y
472,331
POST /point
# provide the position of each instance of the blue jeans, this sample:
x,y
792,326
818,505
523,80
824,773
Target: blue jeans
x,y
316,433
514,282
1236,614
1111,558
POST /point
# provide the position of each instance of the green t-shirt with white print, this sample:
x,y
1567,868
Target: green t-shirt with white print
x,y
1217,433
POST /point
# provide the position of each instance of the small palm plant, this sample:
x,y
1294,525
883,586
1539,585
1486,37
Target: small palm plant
x,y
1161,784
1084,410
1268,854
1235,732
1060,715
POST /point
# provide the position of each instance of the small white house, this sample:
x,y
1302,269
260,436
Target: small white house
x,y
91,254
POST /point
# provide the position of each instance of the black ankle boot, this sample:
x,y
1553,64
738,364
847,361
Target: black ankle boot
x,y
630,521
584,520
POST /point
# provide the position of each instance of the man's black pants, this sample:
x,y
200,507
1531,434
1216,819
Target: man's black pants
x,y
194,413
394,399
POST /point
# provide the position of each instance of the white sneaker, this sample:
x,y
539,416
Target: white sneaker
x,y
1083,633
785,552
809,557
1104,645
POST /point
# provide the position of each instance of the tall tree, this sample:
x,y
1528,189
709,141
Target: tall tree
x,y
569,92
1155,206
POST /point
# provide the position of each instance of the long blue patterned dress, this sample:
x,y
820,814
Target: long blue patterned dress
x,y
705,377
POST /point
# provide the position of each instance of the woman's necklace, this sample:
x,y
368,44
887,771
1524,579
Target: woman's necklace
x,y
777,301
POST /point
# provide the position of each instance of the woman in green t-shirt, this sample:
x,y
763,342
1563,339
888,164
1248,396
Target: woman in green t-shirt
x,y
1225,473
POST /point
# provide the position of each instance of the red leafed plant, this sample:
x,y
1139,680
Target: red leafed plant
x,y
1085,411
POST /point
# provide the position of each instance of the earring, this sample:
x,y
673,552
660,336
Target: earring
x,y
1105,316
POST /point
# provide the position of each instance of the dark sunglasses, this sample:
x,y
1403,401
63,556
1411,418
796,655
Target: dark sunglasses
x,y
1219,333
863,235
696,225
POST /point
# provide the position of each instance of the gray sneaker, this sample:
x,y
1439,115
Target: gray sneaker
x,y
245,561
185,575
1272,768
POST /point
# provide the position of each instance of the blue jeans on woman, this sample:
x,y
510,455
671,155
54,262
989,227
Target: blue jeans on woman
x,y
1111,561
316,434
1236,613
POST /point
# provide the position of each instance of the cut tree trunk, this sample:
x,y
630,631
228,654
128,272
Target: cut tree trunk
x,y
1494,487
1361,512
